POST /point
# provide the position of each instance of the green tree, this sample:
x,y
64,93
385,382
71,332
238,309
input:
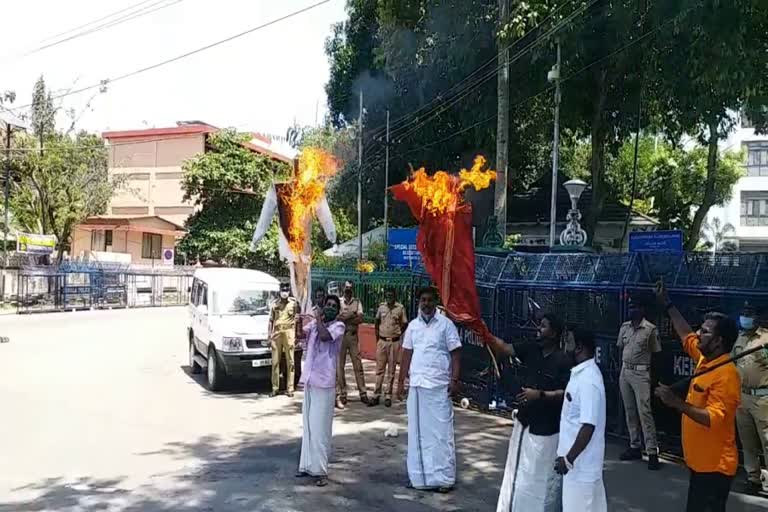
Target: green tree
x,y
709,65
715,233
56,190
43,112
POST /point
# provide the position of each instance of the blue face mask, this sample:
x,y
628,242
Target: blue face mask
x,y
746,322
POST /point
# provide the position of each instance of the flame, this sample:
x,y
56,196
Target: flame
x,y
303,194
441,192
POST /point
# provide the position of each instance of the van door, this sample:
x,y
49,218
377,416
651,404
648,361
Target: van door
x,y
203,311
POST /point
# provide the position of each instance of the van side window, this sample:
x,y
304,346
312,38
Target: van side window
x,y
194,297
204,295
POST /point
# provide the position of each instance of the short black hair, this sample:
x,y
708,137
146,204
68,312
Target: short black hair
x,y
431,290
391,289
320,289
285,286
725,327
335,299
584,338
555,323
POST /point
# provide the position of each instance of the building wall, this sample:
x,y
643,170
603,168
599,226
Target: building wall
x,y
153,176
128,242
748,238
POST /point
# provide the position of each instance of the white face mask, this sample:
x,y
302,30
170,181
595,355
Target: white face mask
x,y
284,295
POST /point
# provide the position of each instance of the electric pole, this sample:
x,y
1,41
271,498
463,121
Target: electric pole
x,y
554,75
502,128
6,186
386,188
360,180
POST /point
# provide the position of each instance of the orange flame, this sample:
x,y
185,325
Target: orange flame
x,y
441,192
305,191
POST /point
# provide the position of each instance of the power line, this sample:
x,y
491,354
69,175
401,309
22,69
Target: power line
x,y
149,9
108,81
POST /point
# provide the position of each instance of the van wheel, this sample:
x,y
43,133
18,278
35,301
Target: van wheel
x,y
193,366
216,374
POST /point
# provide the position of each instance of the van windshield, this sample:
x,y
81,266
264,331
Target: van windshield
x,y
242,302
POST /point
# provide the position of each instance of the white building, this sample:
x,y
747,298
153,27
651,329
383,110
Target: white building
x,y
747,210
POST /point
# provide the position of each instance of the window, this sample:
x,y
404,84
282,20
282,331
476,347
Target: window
x,y
195,296
151,246
100,240
754,208
757,158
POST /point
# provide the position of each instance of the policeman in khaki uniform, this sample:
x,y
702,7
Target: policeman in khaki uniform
x,y
752,414
352,316
282,334
638,339
390,323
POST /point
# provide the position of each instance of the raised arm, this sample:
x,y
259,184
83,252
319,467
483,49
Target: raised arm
x,y
680,324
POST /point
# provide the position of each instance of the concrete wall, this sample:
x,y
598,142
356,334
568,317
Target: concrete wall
x,y
153,176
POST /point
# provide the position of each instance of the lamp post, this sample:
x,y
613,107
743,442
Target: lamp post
x,y
573,235
10,125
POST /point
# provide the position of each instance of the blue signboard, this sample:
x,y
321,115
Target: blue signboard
x,y
656,241
402,252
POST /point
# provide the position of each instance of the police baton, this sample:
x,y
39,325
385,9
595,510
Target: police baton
x,y
680,387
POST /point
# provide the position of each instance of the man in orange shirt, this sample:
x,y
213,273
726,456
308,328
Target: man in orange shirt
x,y
709,409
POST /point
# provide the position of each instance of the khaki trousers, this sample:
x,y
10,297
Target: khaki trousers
x,y
283,344
752,422
635,386
351,345
387,357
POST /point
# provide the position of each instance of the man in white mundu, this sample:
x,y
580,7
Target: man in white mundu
x,y
581,447
431,360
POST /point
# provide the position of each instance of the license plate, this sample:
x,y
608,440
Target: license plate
x,y
256,363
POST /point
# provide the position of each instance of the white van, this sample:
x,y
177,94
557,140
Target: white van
x,y
229,320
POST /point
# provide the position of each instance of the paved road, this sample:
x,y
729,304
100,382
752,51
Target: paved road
x,y
99,413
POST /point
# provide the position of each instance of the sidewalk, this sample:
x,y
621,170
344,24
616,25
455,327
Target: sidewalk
x,y
481,444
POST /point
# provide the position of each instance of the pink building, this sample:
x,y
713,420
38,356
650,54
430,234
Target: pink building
x,y
147,215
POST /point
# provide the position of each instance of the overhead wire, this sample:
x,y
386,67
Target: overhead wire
x,y
219,42
144,11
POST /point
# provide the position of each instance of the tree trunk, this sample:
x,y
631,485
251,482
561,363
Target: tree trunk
x,y
597,161
709,188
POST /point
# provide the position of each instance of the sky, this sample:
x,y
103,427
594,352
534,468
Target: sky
x,y
261,82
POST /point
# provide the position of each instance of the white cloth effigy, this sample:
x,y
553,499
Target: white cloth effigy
x,y
530,483
431,457
317,411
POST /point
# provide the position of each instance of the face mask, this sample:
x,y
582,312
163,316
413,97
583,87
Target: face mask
x,y
284,295
746,322
330,313
635,314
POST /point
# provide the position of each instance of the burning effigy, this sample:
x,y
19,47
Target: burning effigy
x,y
445,236
296,202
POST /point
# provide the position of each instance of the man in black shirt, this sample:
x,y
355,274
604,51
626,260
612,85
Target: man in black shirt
x,y
530,484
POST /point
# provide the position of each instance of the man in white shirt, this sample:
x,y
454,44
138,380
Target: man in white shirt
x,y
431,360
581,447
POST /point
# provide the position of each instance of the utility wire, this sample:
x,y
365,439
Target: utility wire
x,y
149,9
139,71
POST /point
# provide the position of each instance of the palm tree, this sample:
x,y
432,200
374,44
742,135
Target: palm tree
x,y
715,233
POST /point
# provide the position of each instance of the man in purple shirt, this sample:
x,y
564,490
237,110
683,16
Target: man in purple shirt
x,y
324,334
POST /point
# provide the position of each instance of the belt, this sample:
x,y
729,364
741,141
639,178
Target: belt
x,y
755,391
638,367
396,338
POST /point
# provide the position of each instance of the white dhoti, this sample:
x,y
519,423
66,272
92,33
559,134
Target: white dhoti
x,y
317,411
431,458
530,483
583,496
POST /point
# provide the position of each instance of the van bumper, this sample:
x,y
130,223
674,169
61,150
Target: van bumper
x,y
241,364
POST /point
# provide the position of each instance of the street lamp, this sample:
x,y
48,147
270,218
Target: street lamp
x,y
573,235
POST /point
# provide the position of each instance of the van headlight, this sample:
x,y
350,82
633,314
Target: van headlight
x,y
231,344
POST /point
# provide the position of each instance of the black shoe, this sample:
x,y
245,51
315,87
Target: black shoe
x,y
301,474
373,402
289,394
388,402
364,399
273,394
321,482
632,454
343,400
653,462
754,488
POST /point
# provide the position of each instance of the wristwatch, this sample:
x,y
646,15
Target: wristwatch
x,y
568,464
